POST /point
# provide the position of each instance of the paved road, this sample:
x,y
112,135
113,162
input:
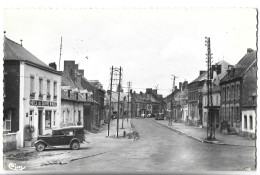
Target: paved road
x,y
162,150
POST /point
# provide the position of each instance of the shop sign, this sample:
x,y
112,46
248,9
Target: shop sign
x,y
42,103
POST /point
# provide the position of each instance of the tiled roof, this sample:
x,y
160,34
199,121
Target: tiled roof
x,y
64,96
242,66
14,51
66,81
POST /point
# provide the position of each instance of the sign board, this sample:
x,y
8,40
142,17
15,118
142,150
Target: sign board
x,y
42,103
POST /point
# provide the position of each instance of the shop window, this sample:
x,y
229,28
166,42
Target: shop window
x,y
251,122
245,122
7,121
47,119
237,114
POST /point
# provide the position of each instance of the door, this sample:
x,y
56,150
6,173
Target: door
x,y
40,129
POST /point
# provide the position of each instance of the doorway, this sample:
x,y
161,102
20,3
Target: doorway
x,y
40,129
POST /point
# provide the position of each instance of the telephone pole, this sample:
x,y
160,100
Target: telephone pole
x,y
118,103
129,84
211,121
110,96
172,98
60,51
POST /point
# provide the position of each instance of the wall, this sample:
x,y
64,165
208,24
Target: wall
x,y
9,142
248,131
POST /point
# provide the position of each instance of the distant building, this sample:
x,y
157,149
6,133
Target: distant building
x,y
217,76
72,101
238,96
195,90
31,93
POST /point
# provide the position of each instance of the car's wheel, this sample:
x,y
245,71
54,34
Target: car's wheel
x,y
40,146
75,145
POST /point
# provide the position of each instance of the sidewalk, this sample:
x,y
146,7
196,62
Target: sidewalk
x,y
97,142
200,134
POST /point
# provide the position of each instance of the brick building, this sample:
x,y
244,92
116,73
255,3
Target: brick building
x,y
195,90
31,93
238,96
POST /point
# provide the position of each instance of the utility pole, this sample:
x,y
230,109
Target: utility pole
x,y
129,84
172,98
60,51
118,104
211,121
110,96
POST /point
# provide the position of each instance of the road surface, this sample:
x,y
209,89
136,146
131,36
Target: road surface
x,y
162,150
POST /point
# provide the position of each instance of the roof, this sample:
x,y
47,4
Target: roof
x,y
242,66
201,77
14,51
66,81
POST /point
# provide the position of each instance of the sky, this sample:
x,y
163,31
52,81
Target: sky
x,y
149,44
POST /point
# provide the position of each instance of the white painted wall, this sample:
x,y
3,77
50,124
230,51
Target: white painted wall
x,y
248,113
25,95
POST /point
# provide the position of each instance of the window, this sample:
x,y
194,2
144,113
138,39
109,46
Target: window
x,y
245,122
54,118
64,117
79,116
237,114
250,122
7,121
32,93
40,88
69,93
48,89
54,90
227,93
217,100
232,92
31,117
47,119
238,91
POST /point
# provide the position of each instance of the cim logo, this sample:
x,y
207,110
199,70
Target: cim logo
x,y
15,167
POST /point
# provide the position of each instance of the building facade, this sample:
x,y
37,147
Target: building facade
x,y
238,93
32,93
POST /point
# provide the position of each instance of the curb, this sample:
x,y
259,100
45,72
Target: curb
x,y
201,140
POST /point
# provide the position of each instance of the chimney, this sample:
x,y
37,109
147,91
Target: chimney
x,y
184,85
202,71
81,71
175,88
180,86
149,90
21,42
131,91
249,50
154,91
53,65
68,65
76,67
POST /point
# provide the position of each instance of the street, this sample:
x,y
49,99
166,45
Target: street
x,y
161,150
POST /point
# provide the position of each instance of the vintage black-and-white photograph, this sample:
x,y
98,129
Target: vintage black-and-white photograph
x,y
129,90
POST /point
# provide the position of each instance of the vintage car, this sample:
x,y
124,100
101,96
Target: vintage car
x,y
160,116
67,136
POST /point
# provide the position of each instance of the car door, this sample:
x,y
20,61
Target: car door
x,y
67,137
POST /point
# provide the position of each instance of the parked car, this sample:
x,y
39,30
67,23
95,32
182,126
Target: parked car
x,y
160,116
67,136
